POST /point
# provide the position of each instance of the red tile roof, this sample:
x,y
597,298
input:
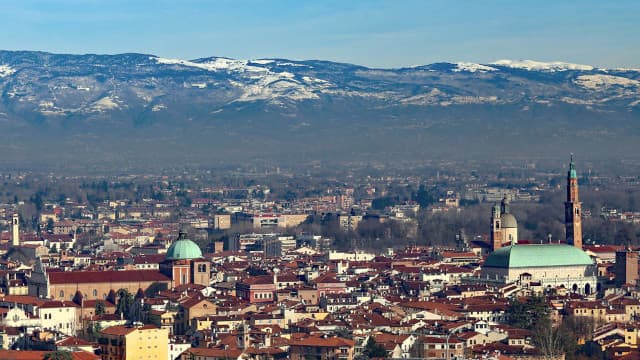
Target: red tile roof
x,y
73,341
39,355
317,341
259,280
120,330
217,353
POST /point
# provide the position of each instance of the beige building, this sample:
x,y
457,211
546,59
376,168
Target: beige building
x,y
292,220
265,221
349,222
222,221
134,342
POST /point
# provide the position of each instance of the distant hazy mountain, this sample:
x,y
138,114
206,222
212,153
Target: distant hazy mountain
x,y
134,107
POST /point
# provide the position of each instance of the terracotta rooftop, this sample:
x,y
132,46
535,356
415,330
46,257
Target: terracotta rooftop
x,y
213,352
120,330
317,341
39,355
259,280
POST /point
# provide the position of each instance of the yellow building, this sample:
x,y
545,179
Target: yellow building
x,y
134,342
190,309
222,221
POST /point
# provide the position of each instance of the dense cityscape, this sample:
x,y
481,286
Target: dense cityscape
x,y
319,180
273,265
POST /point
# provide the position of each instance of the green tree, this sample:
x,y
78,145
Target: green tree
x,y
424,198
528,314
136,313
374,350
49,225
58,355
124,302
322,302
382,202
100,308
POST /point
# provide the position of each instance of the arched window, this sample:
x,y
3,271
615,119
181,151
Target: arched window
x,y
95,292
61,293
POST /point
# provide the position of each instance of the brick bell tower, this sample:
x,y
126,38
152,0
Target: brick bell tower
x,y
573,209
497,238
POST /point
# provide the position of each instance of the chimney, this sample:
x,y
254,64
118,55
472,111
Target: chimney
x,y
15,230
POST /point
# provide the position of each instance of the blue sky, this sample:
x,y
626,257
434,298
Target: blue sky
x,y
373,32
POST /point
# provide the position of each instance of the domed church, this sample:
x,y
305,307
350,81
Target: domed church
x,y
184,263
551,265
504,227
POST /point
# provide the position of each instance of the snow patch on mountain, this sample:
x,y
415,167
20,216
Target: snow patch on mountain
x,y
106,103
596,82
158,107
263,61
532,65
256,82
472,67
232,65
216,64
570,100
6,70
292,64
434,96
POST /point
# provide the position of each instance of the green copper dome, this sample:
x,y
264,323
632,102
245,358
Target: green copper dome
x,y
183,248
522,256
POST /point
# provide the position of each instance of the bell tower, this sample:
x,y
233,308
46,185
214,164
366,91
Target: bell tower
x,y
497,238
15,230
573,209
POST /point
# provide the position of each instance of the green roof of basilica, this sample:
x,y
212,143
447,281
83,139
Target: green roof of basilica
x,y
521,256
183,249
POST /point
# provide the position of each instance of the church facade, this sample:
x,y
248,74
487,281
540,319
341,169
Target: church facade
x,y
549,265
183,265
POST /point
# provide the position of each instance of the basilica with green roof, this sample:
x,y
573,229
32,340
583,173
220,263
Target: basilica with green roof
x,y
548,265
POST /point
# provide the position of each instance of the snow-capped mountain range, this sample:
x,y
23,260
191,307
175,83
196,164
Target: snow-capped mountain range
x,y
133,90
58,85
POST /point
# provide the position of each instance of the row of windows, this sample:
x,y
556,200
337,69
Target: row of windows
x,y
95,293
262,296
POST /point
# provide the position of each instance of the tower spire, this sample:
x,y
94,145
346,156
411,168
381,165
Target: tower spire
x,y
573,208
